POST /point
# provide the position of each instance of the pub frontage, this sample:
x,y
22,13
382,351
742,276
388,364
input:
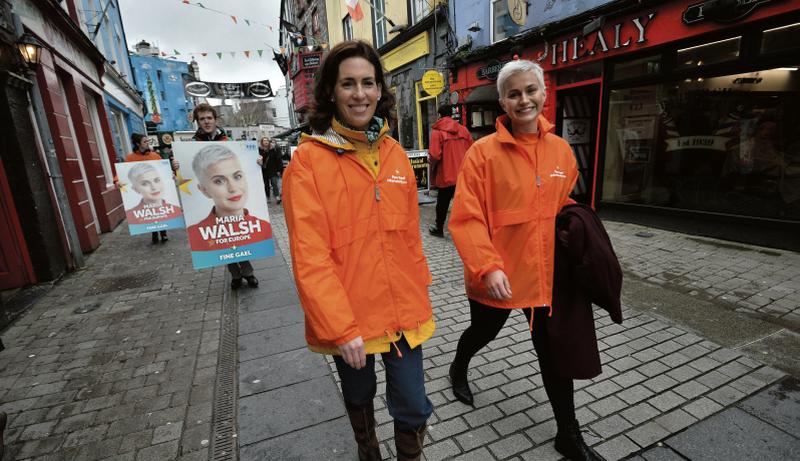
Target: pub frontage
x,y
680,116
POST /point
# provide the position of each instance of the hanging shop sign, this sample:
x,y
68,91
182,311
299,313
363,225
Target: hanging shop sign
x,y
247,90
433,82
518,10
722,11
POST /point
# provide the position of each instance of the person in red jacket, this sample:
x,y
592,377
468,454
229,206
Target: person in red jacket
x,y
449,143
511,187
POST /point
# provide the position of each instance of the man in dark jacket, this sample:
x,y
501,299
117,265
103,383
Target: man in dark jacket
x,y
449,142
273,167
206,117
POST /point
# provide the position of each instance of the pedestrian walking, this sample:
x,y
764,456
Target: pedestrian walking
x,y
450,141
353,220
206,117
142,152
271,167
511,187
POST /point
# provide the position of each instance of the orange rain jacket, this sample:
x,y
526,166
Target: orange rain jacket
x,y
355,242
503,217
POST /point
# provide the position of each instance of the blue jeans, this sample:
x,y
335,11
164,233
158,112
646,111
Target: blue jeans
x,y
405,385
275,182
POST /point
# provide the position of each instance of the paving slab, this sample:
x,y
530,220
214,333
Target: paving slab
x,y
735,435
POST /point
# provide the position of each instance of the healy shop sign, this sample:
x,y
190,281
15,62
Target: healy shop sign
x,y
607,39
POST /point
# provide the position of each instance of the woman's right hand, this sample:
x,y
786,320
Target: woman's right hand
x,y
353,353
497,285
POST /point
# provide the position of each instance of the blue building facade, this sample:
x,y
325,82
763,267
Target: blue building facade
x,y
161,84
101,20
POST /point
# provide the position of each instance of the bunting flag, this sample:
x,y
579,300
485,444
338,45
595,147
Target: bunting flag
x,y
163,54
247,21
270,28
260,52
186,1
203,54
175,52
354,8
219,55
233,54
247,53
234,19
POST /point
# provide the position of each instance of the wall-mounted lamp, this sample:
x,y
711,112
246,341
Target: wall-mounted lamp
x,y
31,50
474,27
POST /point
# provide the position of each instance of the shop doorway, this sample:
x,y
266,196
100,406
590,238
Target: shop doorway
x,y
577,113
15,270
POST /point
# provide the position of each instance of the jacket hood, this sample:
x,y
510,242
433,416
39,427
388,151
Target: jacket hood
x,y
449,125
504,131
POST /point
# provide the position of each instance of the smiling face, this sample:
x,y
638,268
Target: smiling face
x,y
207,122
149,186
224,182
523,99
356,92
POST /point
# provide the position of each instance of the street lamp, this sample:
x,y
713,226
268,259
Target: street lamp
x,y
31,50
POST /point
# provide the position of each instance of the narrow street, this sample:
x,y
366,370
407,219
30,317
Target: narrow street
x,y
142,373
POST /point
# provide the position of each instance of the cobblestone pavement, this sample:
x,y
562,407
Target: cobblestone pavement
x,y
132,378
747,278
657,379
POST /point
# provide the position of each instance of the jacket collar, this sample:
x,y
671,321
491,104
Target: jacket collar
x,y
340,137
505,135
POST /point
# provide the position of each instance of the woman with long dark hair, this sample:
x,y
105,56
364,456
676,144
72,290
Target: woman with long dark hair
x,y
351,208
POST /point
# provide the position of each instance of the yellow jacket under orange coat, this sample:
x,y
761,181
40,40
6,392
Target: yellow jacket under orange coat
x,y
355,244
507,197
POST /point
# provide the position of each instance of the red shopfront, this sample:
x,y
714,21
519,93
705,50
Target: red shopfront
x,y
303,71
673,107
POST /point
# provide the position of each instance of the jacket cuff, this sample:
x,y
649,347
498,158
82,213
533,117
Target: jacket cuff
x,y
489,268
348,337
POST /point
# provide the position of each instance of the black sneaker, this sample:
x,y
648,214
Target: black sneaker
x,y
154,239
435,231
252,281
236,283
164,237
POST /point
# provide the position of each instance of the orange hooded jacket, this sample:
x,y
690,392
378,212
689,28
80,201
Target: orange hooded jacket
x,y
355,243
507,198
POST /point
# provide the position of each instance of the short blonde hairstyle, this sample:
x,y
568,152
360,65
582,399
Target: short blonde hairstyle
x,y
210,155
139,169
517,67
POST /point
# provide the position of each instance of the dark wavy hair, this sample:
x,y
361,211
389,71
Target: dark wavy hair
x,y
322,108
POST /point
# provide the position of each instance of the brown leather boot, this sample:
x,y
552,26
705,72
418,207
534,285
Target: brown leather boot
x,y
362,419
409,443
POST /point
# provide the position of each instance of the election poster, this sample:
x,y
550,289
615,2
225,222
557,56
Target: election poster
x,y
149,196
224,203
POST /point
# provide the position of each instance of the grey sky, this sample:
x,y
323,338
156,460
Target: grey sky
x,y
173,25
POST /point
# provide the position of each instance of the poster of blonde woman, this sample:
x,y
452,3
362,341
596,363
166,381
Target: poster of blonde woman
x,y
149,196
222,192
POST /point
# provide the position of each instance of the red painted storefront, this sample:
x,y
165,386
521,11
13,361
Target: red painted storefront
x,y
580,71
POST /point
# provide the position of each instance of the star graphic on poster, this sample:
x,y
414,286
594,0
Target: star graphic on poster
x,y
183,183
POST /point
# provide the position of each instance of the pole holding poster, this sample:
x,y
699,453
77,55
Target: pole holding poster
x,y
149,196
224,202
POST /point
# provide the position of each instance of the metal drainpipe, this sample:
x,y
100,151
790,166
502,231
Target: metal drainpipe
x,y
54,174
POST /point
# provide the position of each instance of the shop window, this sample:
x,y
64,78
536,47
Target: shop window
x,y
577,74
650,65
725,144
709,53
482,117
502,25
781,39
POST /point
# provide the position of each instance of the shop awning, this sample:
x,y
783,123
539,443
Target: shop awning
x,y
486,93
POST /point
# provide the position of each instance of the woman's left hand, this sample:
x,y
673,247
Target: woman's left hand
x,y
353,353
